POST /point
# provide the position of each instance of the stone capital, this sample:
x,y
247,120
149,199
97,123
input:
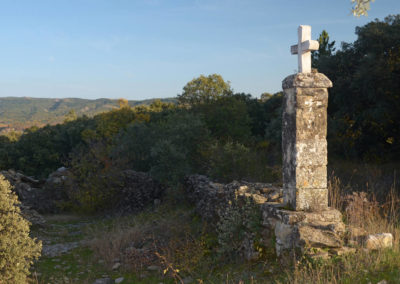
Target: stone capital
x,y
306,80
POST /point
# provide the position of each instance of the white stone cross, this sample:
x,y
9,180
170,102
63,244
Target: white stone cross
x,y
303,48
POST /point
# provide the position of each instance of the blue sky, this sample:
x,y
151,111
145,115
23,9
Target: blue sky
x,y
139,49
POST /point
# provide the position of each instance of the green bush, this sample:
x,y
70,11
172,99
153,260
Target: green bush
x,y
17,248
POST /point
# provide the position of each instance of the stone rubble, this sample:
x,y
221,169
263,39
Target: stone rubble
x,y
39,195
59,249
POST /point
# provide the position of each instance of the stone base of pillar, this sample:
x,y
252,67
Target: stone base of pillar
x,y
303,232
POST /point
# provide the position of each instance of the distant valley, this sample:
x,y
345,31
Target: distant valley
x,y
19,113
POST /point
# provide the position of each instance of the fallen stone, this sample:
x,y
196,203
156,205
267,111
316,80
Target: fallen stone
x,y
379,241
58,249
342,251
259,199
316,253
119,280
103,281
153,268
116,266
274,196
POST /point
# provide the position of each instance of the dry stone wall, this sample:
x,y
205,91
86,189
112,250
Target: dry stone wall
x,y
210,197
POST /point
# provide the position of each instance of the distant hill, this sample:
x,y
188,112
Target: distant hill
x,y
20,113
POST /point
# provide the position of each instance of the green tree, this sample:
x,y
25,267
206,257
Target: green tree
x,y
203,90
265,97
325,49
17,248
123,103
70,116
227,118
364,102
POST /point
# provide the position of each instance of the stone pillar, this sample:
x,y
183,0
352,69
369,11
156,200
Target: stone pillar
x,y
304,145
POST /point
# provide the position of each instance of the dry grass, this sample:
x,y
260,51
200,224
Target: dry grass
x,y
363,211
167,239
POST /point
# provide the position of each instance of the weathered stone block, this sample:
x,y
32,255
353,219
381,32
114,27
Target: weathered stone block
x,y
311,177
311,97
379,241
311,124
312,199
300,230
311,153
306,80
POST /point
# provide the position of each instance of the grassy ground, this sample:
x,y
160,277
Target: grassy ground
x,y
170,244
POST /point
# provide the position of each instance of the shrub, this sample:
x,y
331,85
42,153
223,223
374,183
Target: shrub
x,y
17,248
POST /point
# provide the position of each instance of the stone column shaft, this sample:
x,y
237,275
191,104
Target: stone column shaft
x,y
304,145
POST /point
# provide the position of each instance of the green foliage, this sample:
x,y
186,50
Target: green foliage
x,y
364,101
93,188
168,147
325,49
17,249
234,161
227,118
70,116
229,161
178,149
273,120
203,90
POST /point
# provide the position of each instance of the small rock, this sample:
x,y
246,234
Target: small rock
x,y
382,282
153,268
318,254
266,190
119,280
259,199
116,266
342,251
273,196
379,241
243,189
157,202
103,281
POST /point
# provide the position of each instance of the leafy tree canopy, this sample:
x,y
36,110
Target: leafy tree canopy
x,y
204,89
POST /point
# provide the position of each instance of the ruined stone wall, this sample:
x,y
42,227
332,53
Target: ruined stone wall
x,y
210,197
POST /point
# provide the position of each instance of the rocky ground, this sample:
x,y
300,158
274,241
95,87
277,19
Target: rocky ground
x,y
67,257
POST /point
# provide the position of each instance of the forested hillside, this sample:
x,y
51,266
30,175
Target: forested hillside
x,y
21,113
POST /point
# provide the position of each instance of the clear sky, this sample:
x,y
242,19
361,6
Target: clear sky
x,y
139,49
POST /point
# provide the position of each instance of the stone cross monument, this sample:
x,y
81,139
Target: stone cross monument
x,y
304,127
303,48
